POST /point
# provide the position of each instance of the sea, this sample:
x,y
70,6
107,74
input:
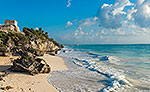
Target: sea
x,y
104,68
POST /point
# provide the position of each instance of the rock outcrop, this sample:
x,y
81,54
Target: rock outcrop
x,y
28,44
29,63
41,42
35,39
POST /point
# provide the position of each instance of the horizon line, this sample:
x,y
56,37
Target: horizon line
x,y
112,44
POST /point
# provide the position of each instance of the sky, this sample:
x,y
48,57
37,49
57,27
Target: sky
x,y
83,21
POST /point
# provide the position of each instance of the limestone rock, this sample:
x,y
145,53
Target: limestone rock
x,y
35,39
29,63
31,66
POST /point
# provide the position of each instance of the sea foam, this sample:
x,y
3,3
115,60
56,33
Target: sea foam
x,y
91,74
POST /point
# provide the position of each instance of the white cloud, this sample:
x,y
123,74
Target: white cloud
x,y
130,12
139,2
69,3
75,20
106,5
132,26
110,16
114,22
87,22
76,32
69,23
142,16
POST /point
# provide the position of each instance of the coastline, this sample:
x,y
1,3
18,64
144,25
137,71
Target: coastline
x,y
26,83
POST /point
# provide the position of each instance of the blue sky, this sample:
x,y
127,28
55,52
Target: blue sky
x,y
83,21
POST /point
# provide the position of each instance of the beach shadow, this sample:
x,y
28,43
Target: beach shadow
x,y
6,68
17,72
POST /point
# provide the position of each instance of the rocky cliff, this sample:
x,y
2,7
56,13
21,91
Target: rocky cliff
x,y
37,40
28,45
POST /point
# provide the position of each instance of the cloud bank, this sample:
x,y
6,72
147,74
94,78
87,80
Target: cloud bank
x,y
120,21
142,14
110,16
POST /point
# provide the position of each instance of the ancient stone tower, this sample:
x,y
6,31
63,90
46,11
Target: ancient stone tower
x,y
10,25
11,22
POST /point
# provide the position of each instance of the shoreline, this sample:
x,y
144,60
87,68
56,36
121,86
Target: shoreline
x,y
23,82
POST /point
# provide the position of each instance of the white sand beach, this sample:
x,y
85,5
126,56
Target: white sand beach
x,y
26,83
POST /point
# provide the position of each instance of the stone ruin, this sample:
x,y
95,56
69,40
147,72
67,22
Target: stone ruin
x,y
10,25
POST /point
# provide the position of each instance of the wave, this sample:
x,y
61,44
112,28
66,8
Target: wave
x,y
109,58
93,54
66,50
116,79
114,69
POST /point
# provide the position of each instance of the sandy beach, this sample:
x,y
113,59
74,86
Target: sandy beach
x,y
23,82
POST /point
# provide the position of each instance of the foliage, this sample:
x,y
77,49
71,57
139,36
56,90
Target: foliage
x,y
39,34
13,39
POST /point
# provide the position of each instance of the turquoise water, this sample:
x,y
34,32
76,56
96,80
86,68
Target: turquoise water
x,y
131,50
114,68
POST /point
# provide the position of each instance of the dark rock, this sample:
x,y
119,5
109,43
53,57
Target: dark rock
x,y
51,53
31,66
29,63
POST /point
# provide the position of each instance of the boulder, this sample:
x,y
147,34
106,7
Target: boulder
x,y
28,62
30,65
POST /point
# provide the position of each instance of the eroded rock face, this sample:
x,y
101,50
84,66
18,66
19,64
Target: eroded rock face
x,y
40,41
29,63
5,49
31,66
34,39
28,44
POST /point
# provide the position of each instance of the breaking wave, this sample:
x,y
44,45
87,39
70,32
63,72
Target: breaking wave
x,y
92,72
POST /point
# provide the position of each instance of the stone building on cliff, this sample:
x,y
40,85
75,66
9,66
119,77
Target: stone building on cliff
x,y
10,25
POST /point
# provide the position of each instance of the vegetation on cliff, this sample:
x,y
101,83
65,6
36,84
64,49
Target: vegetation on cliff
x,y
28,45
37,40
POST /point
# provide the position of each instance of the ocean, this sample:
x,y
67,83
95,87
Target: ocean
x,y
104,68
